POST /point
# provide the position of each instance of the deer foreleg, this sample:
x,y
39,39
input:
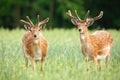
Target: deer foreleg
x,y
42,64
33,62
95,63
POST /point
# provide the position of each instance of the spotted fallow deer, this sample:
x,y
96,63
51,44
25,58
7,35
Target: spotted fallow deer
x,y
34,44
96,46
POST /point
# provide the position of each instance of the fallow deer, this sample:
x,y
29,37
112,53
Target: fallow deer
x,y
95,46
34,44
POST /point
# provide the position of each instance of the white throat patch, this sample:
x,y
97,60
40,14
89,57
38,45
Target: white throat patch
x,y
82,36
36,41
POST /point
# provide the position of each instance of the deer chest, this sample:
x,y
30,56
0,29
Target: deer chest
x,y
37,53
87,51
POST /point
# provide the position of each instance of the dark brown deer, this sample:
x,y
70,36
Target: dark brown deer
x,y
34,44
96,46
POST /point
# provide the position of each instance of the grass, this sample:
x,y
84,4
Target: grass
x,y
64,60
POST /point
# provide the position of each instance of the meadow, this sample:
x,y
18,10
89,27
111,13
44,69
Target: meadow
x,y
64,60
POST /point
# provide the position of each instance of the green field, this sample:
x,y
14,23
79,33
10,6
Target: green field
x,y
64,60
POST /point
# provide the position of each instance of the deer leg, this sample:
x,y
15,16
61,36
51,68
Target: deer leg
x,y
95,63
26,61
33,62
107,60
26,58
88,68
108,57
42,64
100,68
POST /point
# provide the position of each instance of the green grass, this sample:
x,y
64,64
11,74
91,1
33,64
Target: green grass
x,y
64,60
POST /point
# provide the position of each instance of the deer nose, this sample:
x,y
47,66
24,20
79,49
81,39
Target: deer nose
x,y
35,36
79,30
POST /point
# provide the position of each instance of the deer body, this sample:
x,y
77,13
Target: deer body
x,y
36,49
96,46
34,44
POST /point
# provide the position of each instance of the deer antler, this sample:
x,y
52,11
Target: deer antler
x,y
87,14
25,22
70,15
99,16
43,22
73,17
29,22
38,19
77,15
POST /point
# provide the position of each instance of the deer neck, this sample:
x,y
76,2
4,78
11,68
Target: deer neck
x,y
37,50
35,41
84,38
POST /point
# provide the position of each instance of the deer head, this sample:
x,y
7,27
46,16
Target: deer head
x,y
83,24
34,29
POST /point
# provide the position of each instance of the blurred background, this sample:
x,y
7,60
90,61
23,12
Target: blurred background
x,y
11,11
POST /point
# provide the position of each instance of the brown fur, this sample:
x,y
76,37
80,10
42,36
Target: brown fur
x,y
34,44
28,45
95,46
97,43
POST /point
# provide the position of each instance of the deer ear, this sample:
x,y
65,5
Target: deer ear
x,y
74,21
89,22
27,27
